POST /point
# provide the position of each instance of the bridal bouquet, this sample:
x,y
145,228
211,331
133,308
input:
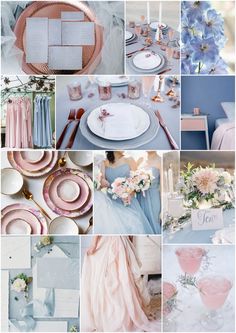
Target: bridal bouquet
x,y
203,38
141,180
206,187
123,189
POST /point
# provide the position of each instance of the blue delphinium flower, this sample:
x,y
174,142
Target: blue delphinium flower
x,y
203,38
204,50
195,9
213,23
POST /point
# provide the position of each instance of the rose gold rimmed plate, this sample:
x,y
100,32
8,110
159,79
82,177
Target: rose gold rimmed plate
x,y
38,169
81,206
26,213
52,10
58,201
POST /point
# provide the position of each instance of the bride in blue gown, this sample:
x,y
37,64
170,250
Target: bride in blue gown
x,y
111,216
151,202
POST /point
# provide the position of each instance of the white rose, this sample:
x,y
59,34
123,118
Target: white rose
x,y
227,177
19,285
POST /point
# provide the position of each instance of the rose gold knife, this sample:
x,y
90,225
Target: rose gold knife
x,y
167,132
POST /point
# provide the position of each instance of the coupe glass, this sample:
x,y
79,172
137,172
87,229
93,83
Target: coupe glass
x,y
213,290
169,301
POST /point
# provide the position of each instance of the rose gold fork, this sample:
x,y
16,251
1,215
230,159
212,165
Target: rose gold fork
x,y
71,118
79,114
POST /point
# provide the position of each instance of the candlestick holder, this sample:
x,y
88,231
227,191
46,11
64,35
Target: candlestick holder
x,y
148,40
159,35
172,92
158,98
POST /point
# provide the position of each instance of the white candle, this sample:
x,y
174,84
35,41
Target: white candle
x,y
170,180
166,181
160,13
148,12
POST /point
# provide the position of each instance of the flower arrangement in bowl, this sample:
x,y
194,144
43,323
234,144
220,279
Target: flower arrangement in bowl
x,y
206,187
203,38
20,284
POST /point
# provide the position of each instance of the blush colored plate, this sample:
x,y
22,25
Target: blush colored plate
x,y
32,156
22,212
52,10
59,202
84,202
38,169
18,227
68,190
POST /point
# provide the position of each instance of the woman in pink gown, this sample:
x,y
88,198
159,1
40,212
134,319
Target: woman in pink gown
x,y
113,294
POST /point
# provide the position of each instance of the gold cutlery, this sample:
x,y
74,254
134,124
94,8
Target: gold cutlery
x,y
89,226
62,161
79,114
29,196
167,132
71,118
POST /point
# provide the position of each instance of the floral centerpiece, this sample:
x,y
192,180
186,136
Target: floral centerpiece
x,y
206,187
20,284
203,38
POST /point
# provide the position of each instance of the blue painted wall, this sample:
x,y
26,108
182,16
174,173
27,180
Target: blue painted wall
x,y
207,93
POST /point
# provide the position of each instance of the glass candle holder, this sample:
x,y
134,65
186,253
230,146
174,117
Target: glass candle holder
x,y
104,90
74,91
134,89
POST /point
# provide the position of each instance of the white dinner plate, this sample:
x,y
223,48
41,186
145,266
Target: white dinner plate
x,y
114,80
125,121
146,60
128,35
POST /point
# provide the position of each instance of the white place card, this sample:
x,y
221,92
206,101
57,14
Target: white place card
x,y
77,33
44,326
37,40
15,252
72,16
4,300
207,219
54,32
65,57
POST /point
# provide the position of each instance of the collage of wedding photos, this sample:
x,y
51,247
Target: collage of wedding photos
x,y
117,166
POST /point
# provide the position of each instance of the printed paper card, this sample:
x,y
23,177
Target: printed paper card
x,y
58,273
207,219
65,57
54,32
72,16
77,33
37,40
15,252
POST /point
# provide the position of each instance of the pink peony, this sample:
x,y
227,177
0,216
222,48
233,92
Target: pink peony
x,y
206,180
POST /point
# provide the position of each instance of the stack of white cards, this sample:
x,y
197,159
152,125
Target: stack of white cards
x,y
58,42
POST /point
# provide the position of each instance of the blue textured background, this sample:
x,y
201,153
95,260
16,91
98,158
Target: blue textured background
x,y
207,93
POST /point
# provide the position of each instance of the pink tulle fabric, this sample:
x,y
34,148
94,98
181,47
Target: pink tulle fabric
x,y
113,294
19,123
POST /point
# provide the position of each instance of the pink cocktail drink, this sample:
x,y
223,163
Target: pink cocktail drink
x,y
169,293
213,291
190,259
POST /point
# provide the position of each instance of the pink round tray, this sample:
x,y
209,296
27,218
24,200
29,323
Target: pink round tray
x,y
60,211
15,160
52,190
33,216
52,10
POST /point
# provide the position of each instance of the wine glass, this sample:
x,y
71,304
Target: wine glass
x,y
147,84
138,29
171,34
169,302
169,54
213,290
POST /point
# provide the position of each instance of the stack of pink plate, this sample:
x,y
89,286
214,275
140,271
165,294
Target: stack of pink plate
x,y
22,219
68,192
33,163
